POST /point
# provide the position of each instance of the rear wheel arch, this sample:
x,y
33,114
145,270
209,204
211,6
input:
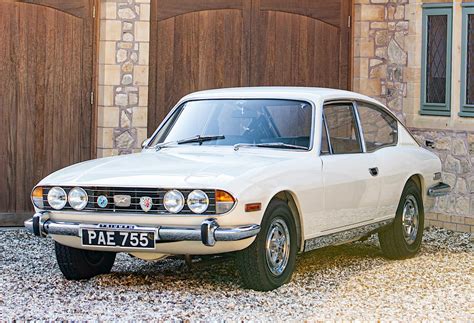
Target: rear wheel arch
x,y
419,181
290,199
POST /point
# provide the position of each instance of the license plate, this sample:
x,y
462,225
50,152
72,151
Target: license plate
x,y
122,238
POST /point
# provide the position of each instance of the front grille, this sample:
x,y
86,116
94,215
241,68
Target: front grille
x,y
156,194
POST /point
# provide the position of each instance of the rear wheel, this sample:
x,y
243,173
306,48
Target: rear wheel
x,y
269,261
77,264
402,239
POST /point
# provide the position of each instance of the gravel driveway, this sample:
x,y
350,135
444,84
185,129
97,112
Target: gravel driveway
x,y
345,282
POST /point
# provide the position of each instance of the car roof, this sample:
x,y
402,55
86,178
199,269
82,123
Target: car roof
x,y
279,92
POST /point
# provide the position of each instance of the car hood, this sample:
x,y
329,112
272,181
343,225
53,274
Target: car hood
x,y
176,167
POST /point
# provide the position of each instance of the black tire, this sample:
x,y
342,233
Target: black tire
x,y
252,261
392,238
77,264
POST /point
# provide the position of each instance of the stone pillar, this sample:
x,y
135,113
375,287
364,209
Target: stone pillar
x,y
123,76
380,57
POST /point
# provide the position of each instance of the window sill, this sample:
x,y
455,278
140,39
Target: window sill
x,y
435,113
466,114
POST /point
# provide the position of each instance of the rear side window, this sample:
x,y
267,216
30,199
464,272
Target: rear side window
x,y
342,128
378,127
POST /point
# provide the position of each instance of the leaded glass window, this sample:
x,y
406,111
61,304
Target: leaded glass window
x,y
467,60
470,60
436,59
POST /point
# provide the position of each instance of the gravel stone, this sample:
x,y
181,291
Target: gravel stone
x,y
349,282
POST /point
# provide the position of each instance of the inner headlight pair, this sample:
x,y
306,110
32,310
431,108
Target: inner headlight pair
x,y
57,198
197,201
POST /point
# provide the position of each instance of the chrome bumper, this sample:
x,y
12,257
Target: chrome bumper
x,y
439,189
208,232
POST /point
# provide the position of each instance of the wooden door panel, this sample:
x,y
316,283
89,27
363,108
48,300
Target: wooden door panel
x,y
204,48
295,50
45,66
300,43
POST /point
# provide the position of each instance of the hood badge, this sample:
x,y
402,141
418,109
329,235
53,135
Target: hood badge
x,y
146,203
122,200
102,201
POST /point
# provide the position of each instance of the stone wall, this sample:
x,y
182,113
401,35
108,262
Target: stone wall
x,y
387,66
456,151
123,76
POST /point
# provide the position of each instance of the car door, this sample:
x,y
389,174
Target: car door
x,y
380,133
350,176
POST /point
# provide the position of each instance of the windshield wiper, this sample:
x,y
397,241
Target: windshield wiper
x,y
271,145
198,138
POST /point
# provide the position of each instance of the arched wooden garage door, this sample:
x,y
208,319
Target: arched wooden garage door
x,y
207,44
45,86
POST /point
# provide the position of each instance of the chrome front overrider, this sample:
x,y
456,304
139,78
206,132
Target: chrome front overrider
x,y
208,233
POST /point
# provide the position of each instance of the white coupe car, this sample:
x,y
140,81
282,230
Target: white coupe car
x,y
262,172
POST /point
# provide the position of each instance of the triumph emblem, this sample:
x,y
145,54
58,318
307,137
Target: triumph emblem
x,y
146,203
122,200
102,201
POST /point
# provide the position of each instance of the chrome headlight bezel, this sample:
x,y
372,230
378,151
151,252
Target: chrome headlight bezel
x,y
57,198
78,198
173,201
198,201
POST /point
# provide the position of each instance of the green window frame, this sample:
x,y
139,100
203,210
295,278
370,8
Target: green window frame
x,y
467,109
436,108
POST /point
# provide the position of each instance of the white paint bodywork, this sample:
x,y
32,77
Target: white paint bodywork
x,y
332,193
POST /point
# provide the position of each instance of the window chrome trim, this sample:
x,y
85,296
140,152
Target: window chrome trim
x,y
330,152
359,126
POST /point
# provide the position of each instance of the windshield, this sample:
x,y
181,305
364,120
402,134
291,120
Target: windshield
x,y
231,122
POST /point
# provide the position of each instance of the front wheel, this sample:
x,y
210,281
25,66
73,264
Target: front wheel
x,y
77,264
402,239
269,261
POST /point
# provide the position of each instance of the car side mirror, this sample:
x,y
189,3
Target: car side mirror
x,y
146,142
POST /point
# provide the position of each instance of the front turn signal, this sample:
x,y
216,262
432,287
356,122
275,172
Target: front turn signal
x,y
224,202
37,197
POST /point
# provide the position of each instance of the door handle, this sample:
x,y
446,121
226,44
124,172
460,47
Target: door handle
x,y
374,171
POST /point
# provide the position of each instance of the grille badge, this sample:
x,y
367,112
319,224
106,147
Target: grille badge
x,y
146,203
102,201
122,200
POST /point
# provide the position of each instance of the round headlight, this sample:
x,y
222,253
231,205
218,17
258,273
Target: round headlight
x,y
198,201
57,198
173,201
78,198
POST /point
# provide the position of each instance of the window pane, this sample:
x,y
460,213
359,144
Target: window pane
x,y
470,60
436,59
342,129
378,127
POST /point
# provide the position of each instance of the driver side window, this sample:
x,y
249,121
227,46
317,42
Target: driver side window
x,y
342,128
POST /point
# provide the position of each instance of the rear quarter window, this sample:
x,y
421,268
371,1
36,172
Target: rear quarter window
x,y
379,128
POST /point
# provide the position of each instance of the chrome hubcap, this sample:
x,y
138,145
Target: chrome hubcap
x,y
278,247
410,219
